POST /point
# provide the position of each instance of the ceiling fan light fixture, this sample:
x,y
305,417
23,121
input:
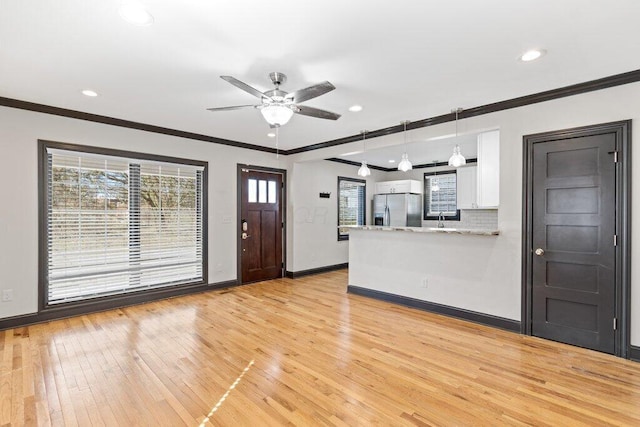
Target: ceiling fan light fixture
x,y
276,115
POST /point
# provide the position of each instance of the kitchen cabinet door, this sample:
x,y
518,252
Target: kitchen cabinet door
x,y
384,187
488,186
466,183
399,186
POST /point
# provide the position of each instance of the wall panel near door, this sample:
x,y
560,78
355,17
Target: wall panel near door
x,y
572,256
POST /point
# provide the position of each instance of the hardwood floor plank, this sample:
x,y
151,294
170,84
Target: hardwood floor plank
x,y
301,352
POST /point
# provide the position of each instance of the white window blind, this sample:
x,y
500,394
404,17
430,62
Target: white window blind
x,y
351,204
440,194
117,225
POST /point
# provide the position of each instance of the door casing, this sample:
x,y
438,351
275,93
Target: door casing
x,y
282,172
622,130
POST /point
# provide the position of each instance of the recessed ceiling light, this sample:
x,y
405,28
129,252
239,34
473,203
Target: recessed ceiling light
x,y
532,55
89,92
392,161
271,135
136,14
355,108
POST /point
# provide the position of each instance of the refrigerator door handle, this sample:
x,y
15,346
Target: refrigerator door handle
x,y
387,216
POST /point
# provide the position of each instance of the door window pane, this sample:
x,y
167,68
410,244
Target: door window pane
x,y
253,191
272,191
262,191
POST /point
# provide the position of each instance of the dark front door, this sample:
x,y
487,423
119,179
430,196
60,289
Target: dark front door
x,y
573,256
261,227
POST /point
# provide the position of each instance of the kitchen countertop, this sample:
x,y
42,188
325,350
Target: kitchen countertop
x,y
470,231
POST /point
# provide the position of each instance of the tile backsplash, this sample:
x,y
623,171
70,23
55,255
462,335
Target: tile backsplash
x,y
471,218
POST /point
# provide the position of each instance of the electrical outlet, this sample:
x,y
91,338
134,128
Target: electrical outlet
x,y
425,282
7,295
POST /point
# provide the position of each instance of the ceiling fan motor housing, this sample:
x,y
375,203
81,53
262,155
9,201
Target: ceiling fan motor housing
x,y
277,78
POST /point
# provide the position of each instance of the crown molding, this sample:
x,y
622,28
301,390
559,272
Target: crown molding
x,y
575,89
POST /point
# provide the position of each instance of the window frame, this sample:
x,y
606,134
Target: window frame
x,y
452,216
87,305
345,236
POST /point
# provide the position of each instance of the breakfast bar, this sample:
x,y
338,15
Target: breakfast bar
x,y
452,270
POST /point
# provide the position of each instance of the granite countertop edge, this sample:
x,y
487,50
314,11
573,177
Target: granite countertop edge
x,y
446,230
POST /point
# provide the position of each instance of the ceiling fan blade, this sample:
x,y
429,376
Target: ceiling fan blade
x,y
310,92
235,107
316,112
245,87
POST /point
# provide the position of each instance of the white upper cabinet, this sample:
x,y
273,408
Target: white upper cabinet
x,y
466,183
478,187
488,170
400,186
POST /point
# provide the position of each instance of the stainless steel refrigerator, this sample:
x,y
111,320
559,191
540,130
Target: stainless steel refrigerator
x,y
397,210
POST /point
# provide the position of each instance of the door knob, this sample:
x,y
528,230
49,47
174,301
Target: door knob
x,y
244,236
539,251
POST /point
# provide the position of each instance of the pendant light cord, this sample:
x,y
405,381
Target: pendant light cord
x,y
364,141
457,110
405,136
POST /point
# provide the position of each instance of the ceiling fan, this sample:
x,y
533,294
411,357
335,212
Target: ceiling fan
x,y
277,106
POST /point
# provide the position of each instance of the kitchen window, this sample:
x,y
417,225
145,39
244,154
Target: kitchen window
x,y
351,204
440,196
118,222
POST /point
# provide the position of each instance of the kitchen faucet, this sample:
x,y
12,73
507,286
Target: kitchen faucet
x,y
441,220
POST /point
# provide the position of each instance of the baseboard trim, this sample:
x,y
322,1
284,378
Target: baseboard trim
x,y
472,316
634,353
224,285
301,273
98,305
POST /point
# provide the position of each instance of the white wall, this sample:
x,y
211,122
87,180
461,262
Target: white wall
x,y
314,220
618,103
19,133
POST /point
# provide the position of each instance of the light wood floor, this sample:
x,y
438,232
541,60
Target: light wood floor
x,y
301,352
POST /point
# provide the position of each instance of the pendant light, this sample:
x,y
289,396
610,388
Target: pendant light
x,y
405,165
364,169
457,159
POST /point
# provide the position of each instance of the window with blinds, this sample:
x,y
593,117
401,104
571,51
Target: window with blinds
x,y
116,225
440,195
351,204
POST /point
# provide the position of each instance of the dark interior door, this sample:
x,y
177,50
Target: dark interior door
x,y
573,252
260,225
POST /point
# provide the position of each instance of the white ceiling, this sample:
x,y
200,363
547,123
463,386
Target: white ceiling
x,y
401,60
